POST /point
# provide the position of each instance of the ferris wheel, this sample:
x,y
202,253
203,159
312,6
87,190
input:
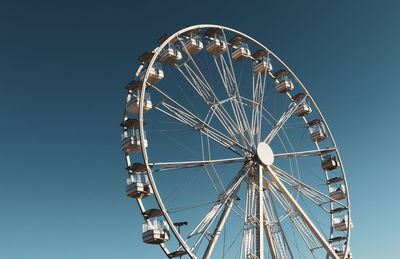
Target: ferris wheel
x,y
230,156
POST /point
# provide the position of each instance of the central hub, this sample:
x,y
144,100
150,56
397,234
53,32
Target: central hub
x,y
265,154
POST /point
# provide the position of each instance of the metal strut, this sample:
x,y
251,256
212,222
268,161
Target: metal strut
x,y
300,211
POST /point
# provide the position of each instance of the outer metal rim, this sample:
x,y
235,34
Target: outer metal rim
x,y
144,151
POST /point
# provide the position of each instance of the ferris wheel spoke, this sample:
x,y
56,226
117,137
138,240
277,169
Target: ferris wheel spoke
x,y
285,116
303,231
228,78
259,83
215,137
202,228
254,223
168,166
183,115
312,194
260,110
257,116
212,173
305,153
194,80
233,129
224,93
297,208
221,222
205,91
198,81
276,237
270,115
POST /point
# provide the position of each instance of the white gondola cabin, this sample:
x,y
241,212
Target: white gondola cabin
x,y
304,107
241,52
339,250
262,66
216,46
133,105
341,223
329,162
193,45
337,192
317,130
155,232
170,55
155,74
284,85
131,143
138,186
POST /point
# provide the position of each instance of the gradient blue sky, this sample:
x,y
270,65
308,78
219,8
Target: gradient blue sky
x,y
63,68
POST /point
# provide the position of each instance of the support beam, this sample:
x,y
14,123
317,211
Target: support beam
x,y
167,166
270,237
300,211
274,215
260,215
306,153
221,223
204,225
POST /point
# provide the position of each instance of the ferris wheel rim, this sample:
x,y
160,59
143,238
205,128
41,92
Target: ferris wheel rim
x,y
141,124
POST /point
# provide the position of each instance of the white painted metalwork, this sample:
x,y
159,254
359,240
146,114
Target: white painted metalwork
x,y
229,114
301,212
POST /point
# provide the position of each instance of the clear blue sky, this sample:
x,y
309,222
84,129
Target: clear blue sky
x,y
63,68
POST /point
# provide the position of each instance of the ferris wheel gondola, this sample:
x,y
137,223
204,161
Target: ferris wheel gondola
x,y
224,151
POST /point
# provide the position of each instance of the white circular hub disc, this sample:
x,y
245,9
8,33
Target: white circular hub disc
x,y
265,154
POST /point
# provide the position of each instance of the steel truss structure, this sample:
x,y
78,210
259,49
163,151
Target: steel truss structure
x,y
218,95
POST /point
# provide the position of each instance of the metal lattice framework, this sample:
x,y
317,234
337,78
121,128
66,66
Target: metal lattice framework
x,y
232,150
